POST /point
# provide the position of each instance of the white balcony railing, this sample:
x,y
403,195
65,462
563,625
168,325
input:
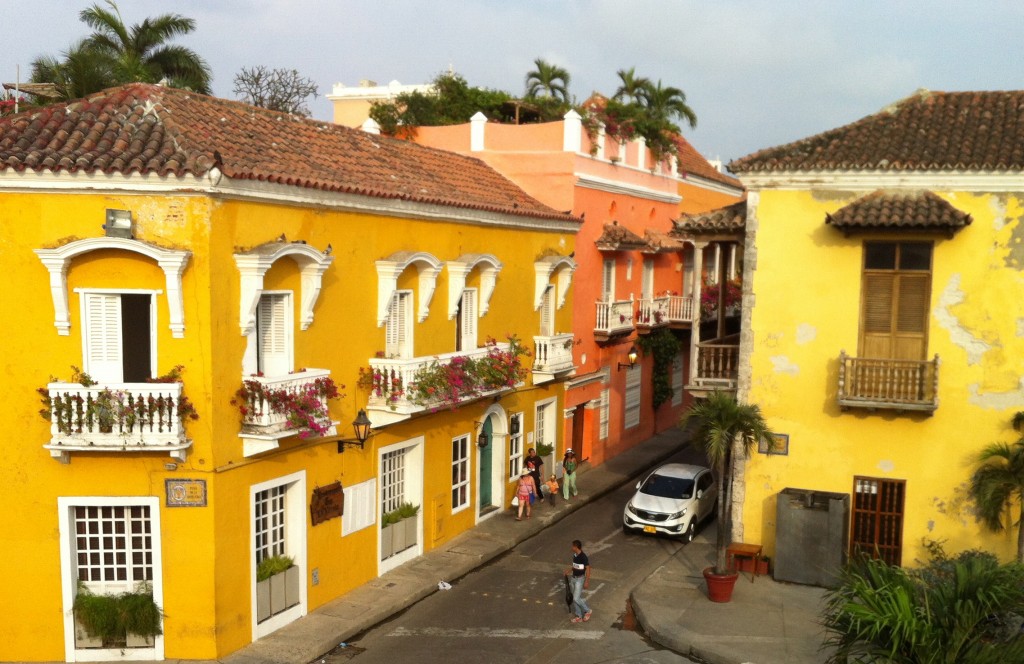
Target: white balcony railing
x,y
653,312
116,417
551,356
261,418
680,309
614,318
717,365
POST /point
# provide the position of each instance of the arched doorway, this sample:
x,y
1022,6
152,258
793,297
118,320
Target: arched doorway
x,y
491,440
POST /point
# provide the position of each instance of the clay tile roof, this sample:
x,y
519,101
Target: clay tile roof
x,y
729,220
658,242
691,161
955,131
899,211
619,238
153,130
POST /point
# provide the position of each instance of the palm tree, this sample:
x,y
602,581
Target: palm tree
x,y
999,484
547,80
633,86
81,72
666,103
720,423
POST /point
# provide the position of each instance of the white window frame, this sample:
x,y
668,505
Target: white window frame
x,y
608,280
544,422
412,492
287,330
515,446
401,311
360,506
604,414
460,473
69,577
632,397
295,546
87,336
469,315
647,279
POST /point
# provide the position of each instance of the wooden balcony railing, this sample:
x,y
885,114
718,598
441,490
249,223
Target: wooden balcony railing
x,y
680,309
614,318
551,355
653,313
116,417
888,384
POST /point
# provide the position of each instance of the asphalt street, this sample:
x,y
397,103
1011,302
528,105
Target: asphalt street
x,y
513,610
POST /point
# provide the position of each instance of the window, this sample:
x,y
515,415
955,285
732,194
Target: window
x,y
270,525
608,280
113,547
360,506
515,445
647,279
273,334
547,312
878,518
677,380
631,415
460,473
398,330
541,424
392,481
604,410
118,344
465,321
895,296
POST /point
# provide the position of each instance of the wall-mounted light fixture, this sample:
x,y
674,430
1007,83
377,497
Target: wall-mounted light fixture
x,y
631,356
119,223
483,439
361,427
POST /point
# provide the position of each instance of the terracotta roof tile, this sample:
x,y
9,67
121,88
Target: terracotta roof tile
x,y
658,242
899,211
691,161
972,131
619,238
729,220
150,129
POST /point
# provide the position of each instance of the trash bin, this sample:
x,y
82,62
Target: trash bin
x,y
812,536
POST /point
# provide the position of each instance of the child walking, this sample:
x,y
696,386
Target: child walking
x,y
552,485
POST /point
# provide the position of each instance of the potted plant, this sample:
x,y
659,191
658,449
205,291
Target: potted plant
x,y
125,620
723,427
398,529
277,586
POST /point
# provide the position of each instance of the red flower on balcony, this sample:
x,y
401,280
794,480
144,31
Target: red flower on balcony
x,y
304,409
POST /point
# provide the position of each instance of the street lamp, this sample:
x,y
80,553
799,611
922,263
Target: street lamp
x,y
631,356
361,427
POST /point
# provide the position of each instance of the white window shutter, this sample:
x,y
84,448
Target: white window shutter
x,y
397,333
103,359
608,281
547,310
468,311
647,279
274,342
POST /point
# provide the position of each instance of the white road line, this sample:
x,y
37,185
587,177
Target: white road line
x,y
489,632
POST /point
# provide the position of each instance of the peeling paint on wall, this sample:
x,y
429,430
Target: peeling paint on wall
x,y
1020,327
997,400
950,297
805,333
886,466
781,364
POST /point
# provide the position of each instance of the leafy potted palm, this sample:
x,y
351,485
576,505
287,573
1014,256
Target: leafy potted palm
x,y
723,428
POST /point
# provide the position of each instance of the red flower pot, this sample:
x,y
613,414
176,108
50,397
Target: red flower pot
x,y
719,585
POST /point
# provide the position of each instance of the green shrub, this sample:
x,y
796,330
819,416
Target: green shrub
x,y
404,511
268,567
544,449
111,617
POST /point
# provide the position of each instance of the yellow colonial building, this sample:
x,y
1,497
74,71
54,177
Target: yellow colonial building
x,y
883,329
206,304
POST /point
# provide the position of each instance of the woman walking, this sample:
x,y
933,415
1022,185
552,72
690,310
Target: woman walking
x,y
569,466
525,490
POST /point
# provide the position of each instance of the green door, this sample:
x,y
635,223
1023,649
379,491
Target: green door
x,y
485,465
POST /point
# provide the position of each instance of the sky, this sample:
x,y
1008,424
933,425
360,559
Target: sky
x,y
758,73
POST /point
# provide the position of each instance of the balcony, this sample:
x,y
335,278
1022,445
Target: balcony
x,y
551,356
653,313
263,424
680,309
117,417
911,385
717,365
613,319
403,387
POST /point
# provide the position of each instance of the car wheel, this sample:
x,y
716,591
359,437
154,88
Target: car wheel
x,y
690,532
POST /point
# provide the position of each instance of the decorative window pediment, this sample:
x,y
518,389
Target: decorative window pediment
x,y
253,266
460,268
58,260
388,271
544,268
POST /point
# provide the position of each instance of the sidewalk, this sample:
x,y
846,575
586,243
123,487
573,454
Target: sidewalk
x,y
765,623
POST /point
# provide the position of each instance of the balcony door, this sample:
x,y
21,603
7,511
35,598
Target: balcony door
x,y
273,334
118,342
895,296
547,312
465,321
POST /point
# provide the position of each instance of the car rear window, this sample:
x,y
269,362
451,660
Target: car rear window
x,y
667,487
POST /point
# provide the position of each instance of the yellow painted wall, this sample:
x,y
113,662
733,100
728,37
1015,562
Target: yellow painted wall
x,y
206,552
807,293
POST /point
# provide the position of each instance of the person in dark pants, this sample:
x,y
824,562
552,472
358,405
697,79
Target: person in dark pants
x,y
534,463
579,580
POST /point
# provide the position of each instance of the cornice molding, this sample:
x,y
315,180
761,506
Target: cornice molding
x,y
873,180
589,181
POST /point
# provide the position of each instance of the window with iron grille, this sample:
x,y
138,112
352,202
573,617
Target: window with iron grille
x,y
113,547
460,473
270,526
515,446
392,481
878,518
605,407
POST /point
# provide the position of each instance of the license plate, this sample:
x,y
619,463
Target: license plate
x,y
650,529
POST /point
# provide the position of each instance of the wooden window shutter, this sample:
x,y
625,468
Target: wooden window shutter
x,y
878,296
912,312
103,337
275,350
547,310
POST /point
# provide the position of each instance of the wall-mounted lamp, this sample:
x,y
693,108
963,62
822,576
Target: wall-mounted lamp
x,y
119,223
483,440
632,359
361,427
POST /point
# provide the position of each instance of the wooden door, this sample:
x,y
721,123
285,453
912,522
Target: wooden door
x,y
878,518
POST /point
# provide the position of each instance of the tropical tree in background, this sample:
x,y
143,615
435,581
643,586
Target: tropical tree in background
x,y
720,421
547,80
282,90
666,103
114,54
632,87
998,486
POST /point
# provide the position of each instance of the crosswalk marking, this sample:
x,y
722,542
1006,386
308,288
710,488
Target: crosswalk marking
x,y
490,632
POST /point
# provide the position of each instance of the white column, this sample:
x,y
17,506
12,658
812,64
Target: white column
x,y
698,266
476,132
371,126
572,138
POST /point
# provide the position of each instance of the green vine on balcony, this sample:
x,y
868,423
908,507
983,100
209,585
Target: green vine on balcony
x,y
663,346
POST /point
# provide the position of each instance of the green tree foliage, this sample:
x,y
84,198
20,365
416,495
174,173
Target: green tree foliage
x,y
997,486
115,54
960,610
547,80
632,86
720,423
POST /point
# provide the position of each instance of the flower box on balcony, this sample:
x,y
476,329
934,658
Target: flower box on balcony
x,y
280,406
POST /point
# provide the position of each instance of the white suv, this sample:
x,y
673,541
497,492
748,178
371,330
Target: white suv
x,y
672,500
